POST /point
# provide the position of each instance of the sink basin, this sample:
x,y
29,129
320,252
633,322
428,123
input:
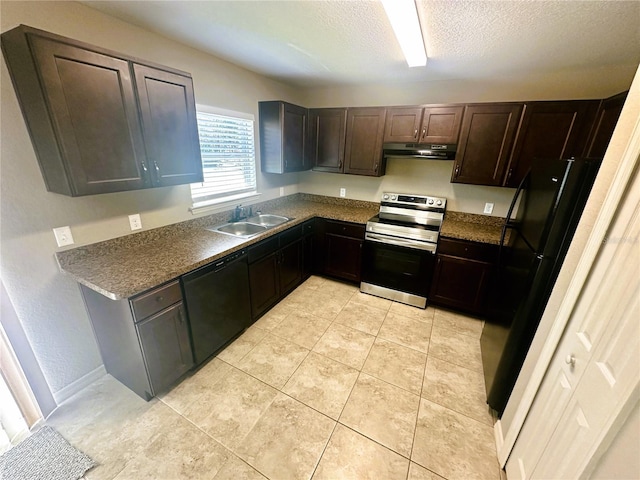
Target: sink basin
x,y
240,229
267,220
252,226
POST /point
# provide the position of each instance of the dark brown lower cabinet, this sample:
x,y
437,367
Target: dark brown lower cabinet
x,y
144,341
166,346
463,275
290,267
275,268
341,249
263,284
309,249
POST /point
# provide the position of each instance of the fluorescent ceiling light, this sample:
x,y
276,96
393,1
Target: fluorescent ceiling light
x,y
403,16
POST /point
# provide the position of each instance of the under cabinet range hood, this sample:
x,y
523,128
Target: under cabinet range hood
x,y
427,151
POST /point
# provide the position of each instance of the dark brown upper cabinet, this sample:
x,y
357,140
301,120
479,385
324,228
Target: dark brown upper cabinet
x,y
169,125
486,139
402,124
363,144
604,125
556,129
429,124
283,131
82,108
327,129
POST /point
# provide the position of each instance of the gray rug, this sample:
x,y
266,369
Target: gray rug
x,y
45,455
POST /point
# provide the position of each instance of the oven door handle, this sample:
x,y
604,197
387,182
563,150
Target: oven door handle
x,y
402,242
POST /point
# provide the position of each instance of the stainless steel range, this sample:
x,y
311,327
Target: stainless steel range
x,y
400,246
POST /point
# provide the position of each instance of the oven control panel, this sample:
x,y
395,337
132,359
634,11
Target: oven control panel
x,y
413,200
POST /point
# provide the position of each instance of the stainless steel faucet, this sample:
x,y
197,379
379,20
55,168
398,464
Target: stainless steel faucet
x,y
238,213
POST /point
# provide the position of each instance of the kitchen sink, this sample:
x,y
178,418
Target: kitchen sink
x,y
240,229
252,226
267,220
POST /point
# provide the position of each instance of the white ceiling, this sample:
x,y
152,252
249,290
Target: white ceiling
x,y
307,43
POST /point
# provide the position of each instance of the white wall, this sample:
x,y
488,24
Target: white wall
x,y
48,303
410,175
599,82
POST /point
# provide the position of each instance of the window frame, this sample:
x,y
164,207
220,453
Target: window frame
x,y
230,196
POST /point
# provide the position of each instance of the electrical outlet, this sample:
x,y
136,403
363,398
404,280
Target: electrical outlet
x,y
488,208
135,221
343,192
63,236
282,191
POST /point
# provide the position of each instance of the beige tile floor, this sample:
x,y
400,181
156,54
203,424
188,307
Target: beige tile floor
x,y
330,384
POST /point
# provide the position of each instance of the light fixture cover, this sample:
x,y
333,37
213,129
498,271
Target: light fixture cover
x,y
403,15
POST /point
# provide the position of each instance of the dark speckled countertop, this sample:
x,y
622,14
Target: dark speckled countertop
x,y
126,266
472,227
129,265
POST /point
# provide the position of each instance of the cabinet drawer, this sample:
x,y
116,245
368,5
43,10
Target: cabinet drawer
x,y
346,229
465,249
259,250
290,235
152,302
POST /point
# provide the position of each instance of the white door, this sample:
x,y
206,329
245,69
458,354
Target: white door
x,y
594,376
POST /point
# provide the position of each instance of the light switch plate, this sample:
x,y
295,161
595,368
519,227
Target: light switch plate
x,y
488,208
135,221
63,236
343,192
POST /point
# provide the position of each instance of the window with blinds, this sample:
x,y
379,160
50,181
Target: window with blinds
x,y
228,156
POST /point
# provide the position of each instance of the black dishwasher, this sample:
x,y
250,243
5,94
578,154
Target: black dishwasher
x,y
218,303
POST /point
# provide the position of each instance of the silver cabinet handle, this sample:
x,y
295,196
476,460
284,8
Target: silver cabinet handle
x,y
145,172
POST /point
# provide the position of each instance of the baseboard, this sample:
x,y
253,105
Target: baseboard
x,y
83,382
499,438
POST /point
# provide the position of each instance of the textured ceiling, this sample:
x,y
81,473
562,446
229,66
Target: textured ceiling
x,y
309,43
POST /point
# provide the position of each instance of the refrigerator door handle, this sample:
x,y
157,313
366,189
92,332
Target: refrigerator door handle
x,y
519,190
508,223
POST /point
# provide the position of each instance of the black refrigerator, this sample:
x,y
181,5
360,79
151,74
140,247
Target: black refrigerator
x,y
533,246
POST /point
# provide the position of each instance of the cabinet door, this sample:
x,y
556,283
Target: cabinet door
x,y
293,138
264,284
95,119
486,140
342,249
549,130
170,128
290,267
165,346
283,130
441,124
460,283
343,257
604,125
327,128
363,150
309,249
402,124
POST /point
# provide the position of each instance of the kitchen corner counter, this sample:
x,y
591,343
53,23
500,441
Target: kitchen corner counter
x,y
126,266
472,227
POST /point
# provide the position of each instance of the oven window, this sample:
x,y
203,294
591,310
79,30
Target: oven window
x,y
399,268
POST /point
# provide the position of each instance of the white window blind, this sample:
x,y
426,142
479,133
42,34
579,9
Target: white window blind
x,y
228,156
